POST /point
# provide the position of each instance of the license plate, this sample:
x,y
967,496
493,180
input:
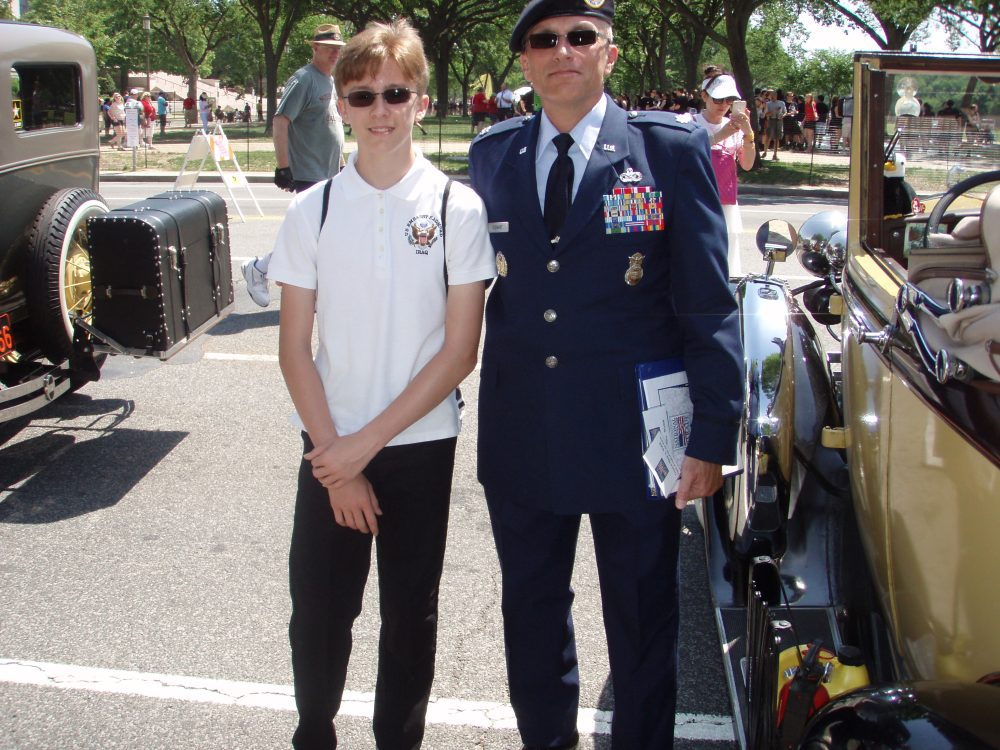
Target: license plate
x,y
6,336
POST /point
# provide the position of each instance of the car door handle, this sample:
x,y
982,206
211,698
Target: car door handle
x,y
864,335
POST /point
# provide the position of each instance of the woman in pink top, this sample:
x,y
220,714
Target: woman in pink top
x,y
732,141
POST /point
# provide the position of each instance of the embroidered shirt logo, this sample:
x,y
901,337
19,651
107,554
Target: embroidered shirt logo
x,y
422,232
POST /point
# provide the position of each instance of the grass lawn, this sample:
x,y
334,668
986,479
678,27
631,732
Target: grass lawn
x,y
254,161
796,173
254,153
451,129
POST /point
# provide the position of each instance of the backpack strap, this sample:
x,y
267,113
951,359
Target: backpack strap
x,y
326,202
444,252
444,233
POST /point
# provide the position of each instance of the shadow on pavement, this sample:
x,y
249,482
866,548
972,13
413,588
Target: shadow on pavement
x,y
240,322
65,471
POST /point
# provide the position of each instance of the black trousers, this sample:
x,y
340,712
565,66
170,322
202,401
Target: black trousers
x,y
328,569
636,553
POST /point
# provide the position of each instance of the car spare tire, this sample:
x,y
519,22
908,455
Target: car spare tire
x,y
58,283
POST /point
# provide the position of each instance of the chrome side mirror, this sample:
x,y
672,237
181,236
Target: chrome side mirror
x,y
775,239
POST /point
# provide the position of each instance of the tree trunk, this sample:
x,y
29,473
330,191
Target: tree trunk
x,y
442,58
271,84
739,62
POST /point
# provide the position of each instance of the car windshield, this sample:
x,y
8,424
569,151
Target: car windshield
x,y
946,127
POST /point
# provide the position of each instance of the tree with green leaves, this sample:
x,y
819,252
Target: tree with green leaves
x,y
483,51
732,36
890,23
192,30
442,24
277,21
975,21
664,32
109,26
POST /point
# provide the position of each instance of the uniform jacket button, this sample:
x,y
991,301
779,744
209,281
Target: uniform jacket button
x,y
551,362
552,265
550,316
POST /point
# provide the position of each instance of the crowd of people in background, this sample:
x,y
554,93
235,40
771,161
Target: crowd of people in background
x,y
786,121
113,112
794,119
154,111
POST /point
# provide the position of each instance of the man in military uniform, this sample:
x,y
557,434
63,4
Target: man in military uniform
x,y
616,256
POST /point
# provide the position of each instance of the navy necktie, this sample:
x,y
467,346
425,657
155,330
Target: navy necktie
x,y
559,187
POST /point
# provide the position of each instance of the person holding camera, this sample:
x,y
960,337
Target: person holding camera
x,y
725,118
308,136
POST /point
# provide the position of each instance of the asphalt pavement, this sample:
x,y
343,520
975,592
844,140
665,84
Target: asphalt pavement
x,y
144,525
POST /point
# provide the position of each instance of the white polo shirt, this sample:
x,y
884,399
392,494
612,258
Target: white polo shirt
x,y
378,268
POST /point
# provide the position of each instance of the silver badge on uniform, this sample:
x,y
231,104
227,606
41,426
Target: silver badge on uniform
x,y
630,175
634,273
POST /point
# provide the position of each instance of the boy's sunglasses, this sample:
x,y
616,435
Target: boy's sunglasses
x,y
578,38
391,96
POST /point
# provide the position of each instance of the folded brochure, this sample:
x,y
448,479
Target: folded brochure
x,y
667,414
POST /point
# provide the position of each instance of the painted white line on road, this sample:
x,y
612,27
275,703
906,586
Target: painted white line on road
x,y
450,711
241,357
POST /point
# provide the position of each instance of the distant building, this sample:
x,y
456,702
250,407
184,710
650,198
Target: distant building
x,y
17,7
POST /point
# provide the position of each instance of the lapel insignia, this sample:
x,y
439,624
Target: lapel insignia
x,y
501,265
634,273
630,175
608,146
524,150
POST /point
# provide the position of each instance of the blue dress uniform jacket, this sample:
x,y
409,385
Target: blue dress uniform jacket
x,y
559,416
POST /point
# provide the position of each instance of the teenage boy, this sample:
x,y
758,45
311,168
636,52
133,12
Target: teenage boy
x,y
396,285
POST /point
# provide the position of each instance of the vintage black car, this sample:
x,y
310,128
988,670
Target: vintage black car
x,y
49,175
854,561
166,280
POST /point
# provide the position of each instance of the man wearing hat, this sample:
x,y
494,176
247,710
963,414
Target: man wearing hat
x,y
308,136
611,252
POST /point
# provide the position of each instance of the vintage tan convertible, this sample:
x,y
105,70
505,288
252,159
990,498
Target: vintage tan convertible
x,y
854,562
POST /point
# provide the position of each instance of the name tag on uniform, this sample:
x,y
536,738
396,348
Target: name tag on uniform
x,y
498,227
633,209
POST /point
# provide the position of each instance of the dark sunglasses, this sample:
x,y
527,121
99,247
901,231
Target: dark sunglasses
x,y
391,96
724,100
578,38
